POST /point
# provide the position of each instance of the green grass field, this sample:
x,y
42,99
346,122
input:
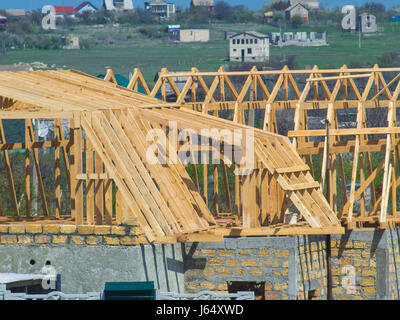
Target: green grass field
x,y
125,48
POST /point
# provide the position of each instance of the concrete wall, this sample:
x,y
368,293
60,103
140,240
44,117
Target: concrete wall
x,y
86,268
364,264
88,256
394,264
194,35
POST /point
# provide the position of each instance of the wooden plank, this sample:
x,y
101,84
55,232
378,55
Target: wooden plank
x,y
343,132
185,194
38,173
293,169
90,193
76,158
28,197
57,164
10,178
141,177
134,210
98,190
226,187
122,164
303,186
108,209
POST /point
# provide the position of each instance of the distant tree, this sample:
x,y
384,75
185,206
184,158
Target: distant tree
x,y
194,15
278,18
280,5
223,10
241,14
296,22
374,8
389,59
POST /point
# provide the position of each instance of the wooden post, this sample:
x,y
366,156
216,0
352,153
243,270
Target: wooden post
x,y
27,170
90,212
76,168
57,175
9,172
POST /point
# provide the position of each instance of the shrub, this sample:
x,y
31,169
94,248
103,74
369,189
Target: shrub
x,y
296,22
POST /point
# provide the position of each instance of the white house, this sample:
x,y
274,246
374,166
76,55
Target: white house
x,y
311,4
160,8
249,46
118,5
86,6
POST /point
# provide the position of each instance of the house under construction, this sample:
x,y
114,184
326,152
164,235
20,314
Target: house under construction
x,y
288,213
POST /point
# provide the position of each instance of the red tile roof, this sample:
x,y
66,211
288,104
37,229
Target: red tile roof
x,y
81,5
64,9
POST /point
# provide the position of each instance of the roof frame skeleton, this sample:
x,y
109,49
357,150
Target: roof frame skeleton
x,y
110,125
348,91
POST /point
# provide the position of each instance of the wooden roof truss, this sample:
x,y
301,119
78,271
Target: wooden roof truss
x,y
109,180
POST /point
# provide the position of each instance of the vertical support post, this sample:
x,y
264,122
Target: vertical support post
x,y
27,170
9,172
108,201
57,176
76,168
89,183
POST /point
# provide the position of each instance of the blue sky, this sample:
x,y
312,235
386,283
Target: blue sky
x,y
252,4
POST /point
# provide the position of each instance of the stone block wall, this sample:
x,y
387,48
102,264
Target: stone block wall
x,y
68,234
311,268
359,265
364,264
263,259
394,264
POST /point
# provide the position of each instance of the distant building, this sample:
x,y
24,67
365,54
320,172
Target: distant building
x,y
302,39
297,10
268,16
229,34
161,9
367,23
3,22
70,42
16,13
310,4
86,6
16,67
118,5
194,35
123,5
250,46
209,4
64,11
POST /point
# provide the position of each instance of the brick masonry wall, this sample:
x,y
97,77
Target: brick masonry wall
x,y
68,234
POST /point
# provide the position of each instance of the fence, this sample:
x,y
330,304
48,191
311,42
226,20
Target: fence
x,y
57,295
